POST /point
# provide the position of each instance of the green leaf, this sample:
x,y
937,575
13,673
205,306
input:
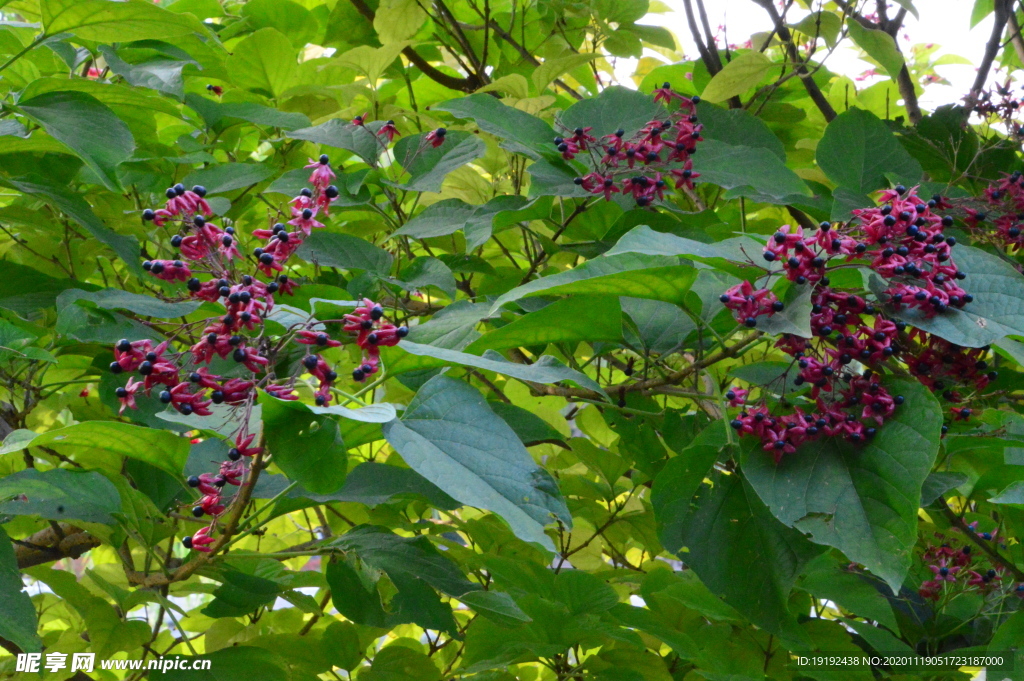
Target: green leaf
x,y
546,370
751,171
428,165
75,207
288,17
519,131
451,437
19,623
573,319
856,591
738,76
738,127
214,113
162,75
241,594
613,109
662,327
377,483
344,251
795,318
265,62
354,595
824,24
740,551
858,151
438,219
88,127
551,69
937,484
879,45
862,500
625,274
416,557
114,22
398,20
398,663
161,448
997,310
342,644
528,427
227,177
115,299
426,271
305,445
60,494
359,139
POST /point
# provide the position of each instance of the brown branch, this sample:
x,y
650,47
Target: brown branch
x,y
985,546
230,526
1003,9
1015,37
806,77
53,543
467,85
646,385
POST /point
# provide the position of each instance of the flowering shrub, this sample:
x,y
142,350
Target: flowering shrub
x,y
392,340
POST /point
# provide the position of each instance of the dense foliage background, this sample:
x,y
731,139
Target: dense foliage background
x,y
550,460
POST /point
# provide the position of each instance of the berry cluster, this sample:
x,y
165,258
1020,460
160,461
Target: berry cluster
x,y
902,241
239,334
954,571
662,146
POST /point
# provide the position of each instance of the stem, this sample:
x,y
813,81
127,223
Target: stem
x,y
32,45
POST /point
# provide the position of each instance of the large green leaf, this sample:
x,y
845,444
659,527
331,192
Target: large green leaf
x,y
858,151
359,139
307,446
265,62
547,369
162,75
518,130
625,274
862,500
879,45
114,299
19,623
428,165
615,108
738,127
227,177
88,127
996,312
60,494
740,551
573,319
742,73
451,437
438,219
345,251
161,448
750,171
114,22
384,550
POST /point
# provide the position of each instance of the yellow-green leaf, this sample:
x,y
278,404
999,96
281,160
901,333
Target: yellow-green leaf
x,y
738,76
879,45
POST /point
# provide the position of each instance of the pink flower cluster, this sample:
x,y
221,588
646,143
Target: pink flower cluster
x,y
954,571
902,241
661,146
238,334
372,333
